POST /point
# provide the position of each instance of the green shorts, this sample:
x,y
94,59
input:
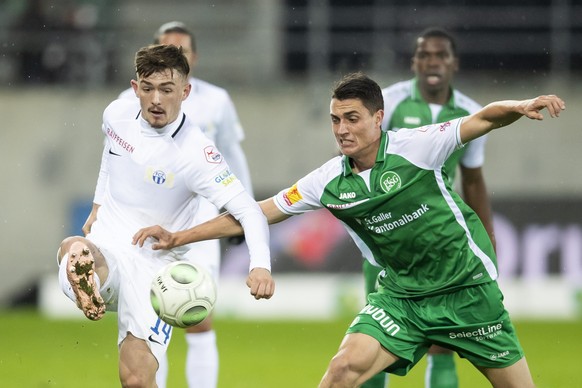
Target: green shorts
x,y
471,321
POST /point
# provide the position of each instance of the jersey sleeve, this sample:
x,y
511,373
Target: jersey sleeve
x,y
211,177
474,156
228,138
305,195
429,146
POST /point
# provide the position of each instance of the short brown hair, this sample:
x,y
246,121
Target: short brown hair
x,y
159,58
360,86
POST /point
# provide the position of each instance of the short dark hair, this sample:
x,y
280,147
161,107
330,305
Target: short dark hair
x,y
359,86
159,58
177,27
436,32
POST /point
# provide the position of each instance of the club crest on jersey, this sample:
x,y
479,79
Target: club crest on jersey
x,y
159,177
390,181
292,195
212,155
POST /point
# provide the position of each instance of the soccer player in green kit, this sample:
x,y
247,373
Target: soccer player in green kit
x,y
429,98
438,283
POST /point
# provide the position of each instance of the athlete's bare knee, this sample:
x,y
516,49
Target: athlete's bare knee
x,y
340,372
66,245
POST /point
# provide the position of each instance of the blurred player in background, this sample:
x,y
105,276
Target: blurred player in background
x,y
156,166
390,190
429,98
211,108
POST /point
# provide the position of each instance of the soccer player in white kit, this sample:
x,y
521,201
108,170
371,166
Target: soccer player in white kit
x,y
156,166
211,108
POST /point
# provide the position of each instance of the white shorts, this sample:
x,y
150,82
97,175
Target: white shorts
x,y
127,291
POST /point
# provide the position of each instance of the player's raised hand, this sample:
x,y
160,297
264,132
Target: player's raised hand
x,y
165,239
261,283
552,103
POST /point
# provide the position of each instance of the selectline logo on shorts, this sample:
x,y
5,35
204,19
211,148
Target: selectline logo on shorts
x,y
480,334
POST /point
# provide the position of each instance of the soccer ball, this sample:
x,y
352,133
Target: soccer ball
x,y
183,294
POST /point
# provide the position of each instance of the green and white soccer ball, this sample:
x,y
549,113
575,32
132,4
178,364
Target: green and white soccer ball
x,y
183,294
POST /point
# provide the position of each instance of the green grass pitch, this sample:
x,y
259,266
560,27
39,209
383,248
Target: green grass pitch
x,y
37,352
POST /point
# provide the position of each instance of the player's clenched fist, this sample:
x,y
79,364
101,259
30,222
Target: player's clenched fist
x,y
261,283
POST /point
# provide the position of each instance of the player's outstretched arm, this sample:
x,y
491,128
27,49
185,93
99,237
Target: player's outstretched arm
x,y
224,225
501,113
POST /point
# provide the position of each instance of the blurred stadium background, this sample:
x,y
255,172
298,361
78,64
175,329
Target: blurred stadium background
x,y
63,61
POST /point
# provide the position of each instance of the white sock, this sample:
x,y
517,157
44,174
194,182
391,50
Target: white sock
x,y
202,360
162,373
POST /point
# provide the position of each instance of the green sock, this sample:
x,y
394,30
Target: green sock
x,y
441,372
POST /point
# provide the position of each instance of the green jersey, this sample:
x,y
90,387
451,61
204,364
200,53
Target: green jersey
x,y
403,214
404,107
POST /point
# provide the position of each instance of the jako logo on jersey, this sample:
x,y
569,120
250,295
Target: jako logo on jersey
x,y
351,195
390,180
212,155
159,177
292,195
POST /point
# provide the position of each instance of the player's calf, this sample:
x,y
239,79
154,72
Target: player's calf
x,y
81,276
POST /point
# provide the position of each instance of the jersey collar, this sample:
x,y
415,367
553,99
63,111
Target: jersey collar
x,y
415,94
380,156
171,129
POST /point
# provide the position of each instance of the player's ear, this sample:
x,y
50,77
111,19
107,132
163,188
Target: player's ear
x,y
378,117
134,86
186,91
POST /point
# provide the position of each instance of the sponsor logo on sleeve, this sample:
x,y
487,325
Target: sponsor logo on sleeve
x,y
292,195
443,127
225,178
212,155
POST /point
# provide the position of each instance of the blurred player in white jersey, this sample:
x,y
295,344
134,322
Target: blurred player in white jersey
x,y
156,166
211,108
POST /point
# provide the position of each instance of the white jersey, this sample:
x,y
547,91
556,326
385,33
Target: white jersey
x,y
151,176
211,108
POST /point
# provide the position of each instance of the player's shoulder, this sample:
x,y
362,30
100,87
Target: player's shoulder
x,y
127,93
207,89
401,88
191,135
332,167
465,102
122,109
